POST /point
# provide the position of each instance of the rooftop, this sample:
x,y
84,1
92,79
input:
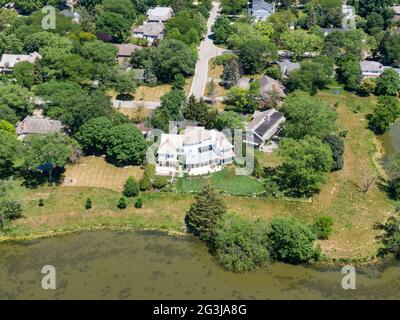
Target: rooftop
x,y
159,13
151,29
268,84
371,66
38,125
10,60
126,49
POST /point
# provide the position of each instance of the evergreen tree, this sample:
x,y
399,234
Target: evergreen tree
x,y
145,182
122,204
131,188
204,213
139,203
231,74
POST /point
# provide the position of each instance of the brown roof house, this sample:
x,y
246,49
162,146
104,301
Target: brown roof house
x,y
37,125
150,31
125,51
264,126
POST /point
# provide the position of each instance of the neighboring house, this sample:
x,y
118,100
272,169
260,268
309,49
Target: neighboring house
x,y
8,61
261,10
125,51
268,85
264,126
371,69
159,14
349,17
144,129
150,31
197,151
75,16
396,9
37,124
288,66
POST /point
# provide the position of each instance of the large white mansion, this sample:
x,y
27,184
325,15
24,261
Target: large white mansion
x,y
197,151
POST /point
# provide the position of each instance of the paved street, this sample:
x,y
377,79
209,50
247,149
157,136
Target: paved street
x,y
207,51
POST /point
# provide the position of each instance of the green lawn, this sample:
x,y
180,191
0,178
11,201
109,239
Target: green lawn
x,y
225,180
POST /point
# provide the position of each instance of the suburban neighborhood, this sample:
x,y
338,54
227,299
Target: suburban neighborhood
x,y
268,131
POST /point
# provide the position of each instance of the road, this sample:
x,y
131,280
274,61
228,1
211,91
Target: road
x,y
207,51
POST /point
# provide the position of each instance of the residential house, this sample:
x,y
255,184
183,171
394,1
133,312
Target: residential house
x,y
264,126
197,151
288,66
8,61
75,16
371,69
269,85
261,10
125,51
349,17
150,31
159,14
37,124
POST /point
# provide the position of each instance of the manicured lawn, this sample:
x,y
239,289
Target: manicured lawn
x,y
96,172
137,114
225,180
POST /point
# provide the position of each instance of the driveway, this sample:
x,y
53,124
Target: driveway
x,y
134,104
207,51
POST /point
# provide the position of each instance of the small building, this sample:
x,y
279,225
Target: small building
x,y
125,51
371,69
269,85
197,151
8,61
264,126
150,31
37,124
261,10
159,14
288,66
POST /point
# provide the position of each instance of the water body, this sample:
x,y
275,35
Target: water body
x,y
148,265
391,144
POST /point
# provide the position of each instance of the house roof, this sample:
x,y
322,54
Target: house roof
x,y
262,5
288,66
151,29
38,125
159,13
371,66
10,60
126,49
268,84
265,124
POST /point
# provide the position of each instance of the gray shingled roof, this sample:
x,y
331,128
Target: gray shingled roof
x,y
38,125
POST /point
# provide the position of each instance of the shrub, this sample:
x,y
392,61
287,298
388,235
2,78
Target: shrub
x,y
394,188
88,204
291,241
131,188
337,146
145,182
139,203
241,244
160,182
41,203
322,227
11,209
122,203
274,72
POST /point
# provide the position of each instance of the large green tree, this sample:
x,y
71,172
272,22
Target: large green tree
x,y
93,135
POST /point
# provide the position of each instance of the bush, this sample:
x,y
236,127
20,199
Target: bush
x,y
139,203
274,72
131,188
394,188
41,203
322,227
160,182
337,146
241,244
291,241
11,209
88,204
122,203
145,182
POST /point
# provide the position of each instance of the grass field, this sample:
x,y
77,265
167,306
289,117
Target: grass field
x,y
96,172
354,212
225,180
154,94
136,114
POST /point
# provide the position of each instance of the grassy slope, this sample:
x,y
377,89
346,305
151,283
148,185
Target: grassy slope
x,y
354,212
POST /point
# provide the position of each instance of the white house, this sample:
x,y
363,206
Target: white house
x,y
8,61
159,14
264,126
150,31
261,10
371,69
197,151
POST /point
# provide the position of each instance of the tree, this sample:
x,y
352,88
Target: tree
x,y
200,111
299,42
349,71
386,113
291,241
10,209
367,86
242,100
233,6
26,74
88,204
9,146
6,126
253,53
390,237
45,153
307,116
145,182
204,213
160,182
337,146
122,7
131,188
173,57
8,114
304,165
231,74
114,24
322,227
228,120
122,203
388,83
125,145
16,98
93,135
391,50
139,203
241,244
99,52
222,29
